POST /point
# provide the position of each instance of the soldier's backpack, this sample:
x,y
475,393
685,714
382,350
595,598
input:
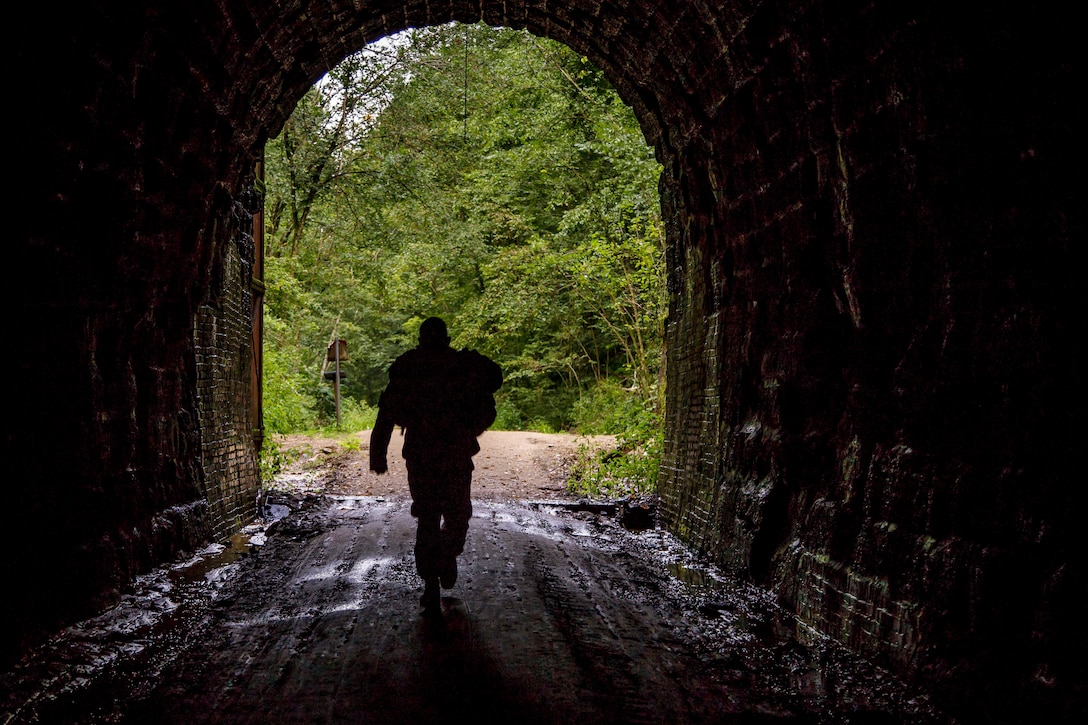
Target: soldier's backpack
x,y
481,378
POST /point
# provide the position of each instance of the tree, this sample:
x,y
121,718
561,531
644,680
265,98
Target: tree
x,y
487,176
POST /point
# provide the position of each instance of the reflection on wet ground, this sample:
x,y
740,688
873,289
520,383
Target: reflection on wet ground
x,y
561,613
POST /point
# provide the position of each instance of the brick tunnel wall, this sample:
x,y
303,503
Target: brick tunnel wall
x,y
124,404
223,337
868,385
868,219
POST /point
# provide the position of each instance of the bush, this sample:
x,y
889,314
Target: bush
x,y
632,467
507,416
547,410
288,399
356,415
608,409
271,459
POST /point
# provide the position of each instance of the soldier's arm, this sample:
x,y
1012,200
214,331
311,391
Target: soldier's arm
x,y
379,440
383,426
390,406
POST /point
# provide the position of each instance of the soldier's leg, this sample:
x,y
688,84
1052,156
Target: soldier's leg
x,y
428,549
457,510
427,509
455,520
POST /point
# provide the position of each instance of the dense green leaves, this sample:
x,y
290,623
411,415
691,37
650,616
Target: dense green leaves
x,y
486,176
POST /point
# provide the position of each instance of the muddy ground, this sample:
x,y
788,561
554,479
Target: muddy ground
x,y
561,614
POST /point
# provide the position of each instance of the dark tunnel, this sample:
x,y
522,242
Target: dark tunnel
x,y
869,215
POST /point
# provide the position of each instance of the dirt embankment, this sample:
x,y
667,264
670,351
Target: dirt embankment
x,y
511,465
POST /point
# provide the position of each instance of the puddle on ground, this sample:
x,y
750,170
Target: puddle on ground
x,y
727,603
277,511
215,557
691,576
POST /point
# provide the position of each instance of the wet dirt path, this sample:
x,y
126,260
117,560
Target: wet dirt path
x,y
559,616
538,628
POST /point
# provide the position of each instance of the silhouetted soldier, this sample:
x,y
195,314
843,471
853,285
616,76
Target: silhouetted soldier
x,y
443,399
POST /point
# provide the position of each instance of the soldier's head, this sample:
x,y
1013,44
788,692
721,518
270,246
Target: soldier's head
x,y
432,333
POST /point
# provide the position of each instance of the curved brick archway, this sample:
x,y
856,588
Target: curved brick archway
x,y
868,393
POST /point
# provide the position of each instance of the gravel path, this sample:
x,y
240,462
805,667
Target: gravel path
x,y
511,465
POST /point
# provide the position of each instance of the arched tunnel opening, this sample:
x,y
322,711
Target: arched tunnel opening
x,y
487,176
868,215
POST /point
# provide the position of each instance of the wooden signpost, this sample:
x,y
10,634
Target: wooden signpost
x,y
338,351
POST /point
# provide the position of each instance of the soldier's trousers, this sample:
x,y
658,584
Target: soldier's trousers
x,y
442,505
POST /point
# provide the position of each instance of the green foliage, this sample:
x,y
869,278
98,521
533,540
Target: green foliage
x,y
629,469
288,394
356,416
272,459
489,177
508,416
608,408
